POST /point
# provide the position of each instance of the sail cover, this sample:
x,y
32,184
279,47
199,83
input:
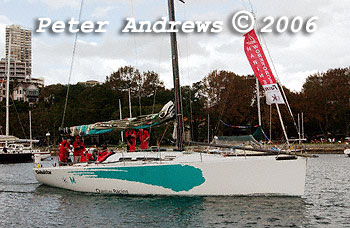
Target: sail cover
x,y
261,68
166,114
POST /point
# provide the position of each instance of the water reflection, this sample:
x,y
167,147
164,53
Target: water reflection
x,y
26,203
157,211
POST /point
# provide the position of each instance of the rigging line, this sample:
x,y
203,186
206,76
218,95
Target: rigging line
x,y
243,3
271,122
181,71
222,111
251,7
71,66
154,102
134,37
221,114
273,65
159,68
279,82
136,59
19,119
188,77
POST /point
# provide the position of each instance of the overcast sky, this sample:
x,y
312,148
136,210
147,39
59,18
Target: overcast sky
x,y
295,55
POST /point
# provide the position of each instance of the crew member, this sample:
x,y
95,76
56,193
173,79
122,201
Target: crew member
x,y
131,140
64,150
79,149
144,136
86,157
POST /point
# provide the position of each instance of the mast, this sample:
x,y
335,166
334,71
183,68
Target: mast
x,y
208,128
299,128
176,79
302,126
258,100
30,130
8,89
120,117
130,104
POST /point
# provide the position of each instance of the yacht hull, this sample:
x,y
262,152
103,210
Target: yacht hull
x,y
200,176
10,158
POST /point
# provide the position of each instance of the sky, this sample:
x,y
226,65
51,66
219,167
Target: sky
x,y
295,56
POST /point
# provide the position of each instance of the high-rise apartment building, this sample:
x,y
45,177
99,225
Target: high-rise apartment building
x,y
17,70
25,88
21,46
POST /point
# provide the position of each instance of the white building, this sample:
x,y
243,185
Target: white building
x,y
21,46
26,92
90,83
17,70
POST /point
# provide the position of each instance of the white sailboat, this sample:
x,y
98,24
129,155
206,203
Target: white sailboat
x,y
11,153
347,146
180,171
13,149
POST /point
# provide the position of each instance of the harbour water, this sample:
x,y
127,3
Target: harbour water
x,y
326,203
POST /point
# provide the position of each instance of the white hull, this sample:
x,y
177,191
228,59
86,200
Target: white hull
x,y
186,174
347,152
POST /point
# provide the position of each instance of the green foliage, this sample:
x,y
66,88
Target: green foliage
x,y
226,96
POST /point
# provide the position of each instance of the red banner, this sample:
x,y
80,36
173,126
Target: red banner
x,y
261,68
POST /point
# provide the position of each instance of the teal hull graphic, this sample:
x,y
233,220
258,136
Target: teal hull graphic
x,y
175,177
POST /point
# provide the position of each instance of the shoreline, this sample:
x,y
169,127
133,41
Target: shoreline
x,y
310,148
324,148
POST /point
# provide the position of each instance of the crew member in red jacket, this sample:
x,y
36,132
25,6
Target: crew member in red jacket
x,y
86,157
64,150
131,140
79,149
144,136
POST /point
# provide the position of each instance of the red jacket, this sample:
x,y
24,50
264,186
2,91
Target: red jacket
x,y
86,157
64,147
131,140
143,136
79,148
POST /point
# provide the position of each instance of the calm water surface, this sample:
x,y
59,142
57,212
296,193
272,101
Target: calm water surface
x,y
326,203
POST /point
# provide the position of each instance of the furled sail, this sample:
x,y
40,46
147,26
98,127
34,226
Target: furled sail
x,y
166,114
261,68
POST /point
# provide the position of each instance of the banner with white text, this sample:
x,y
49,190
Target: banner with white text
x,y
261,68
